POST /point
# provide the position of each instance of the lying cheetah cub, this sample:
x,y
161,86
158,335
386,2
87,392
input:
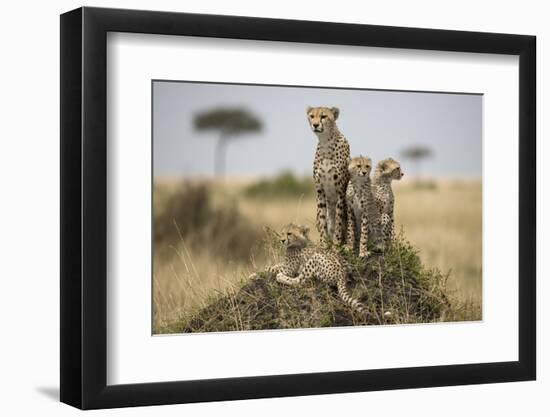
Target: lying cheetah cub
x,y
361,210
304,261
387,170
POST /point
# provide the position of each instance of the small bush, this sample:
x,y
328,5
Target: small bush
x,y
189,215
285,184
395,288
187,209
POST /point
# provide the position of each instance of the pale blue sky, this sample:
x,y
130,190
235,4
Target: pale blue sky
x,y
376,123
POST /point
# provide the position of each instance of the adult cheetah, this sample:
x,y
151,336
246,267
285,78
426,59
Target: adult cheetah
x,y
330,173
387,170
304,261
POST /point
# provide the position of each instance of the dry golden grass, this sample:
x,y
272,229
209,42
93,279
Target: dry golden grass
x,y
443,222
446,226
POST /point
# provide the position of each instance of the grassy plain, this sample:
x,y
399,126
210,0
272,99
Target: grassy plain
x,y
208,237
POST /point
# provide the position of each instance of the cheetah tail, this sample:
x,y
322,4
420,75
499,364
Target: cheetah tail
x,y
348,299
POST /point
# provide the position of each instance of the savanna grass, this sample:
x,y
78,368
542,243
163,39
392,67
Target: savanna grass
x,y
394,287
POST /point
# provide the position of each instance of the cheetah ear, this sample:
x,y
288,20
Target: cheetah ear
x,y
335,111
309,108
305,230
388,166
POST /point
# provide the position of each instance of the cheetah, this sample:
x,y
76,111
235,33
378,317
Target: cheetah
x,y
330,173
361,209
304,261
387,170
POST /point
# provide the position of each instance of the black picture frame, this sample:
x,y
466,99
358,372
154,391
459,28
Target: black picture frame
x,y
84,207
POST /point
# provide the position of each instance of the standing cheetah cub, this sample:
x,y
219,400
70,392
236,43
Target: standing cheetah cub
x,y
304,261
330,173
387,170
361,210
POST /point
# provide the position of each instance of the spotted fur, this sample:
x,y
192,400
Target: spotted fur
x,y
330,173
303,261
387,170
361,209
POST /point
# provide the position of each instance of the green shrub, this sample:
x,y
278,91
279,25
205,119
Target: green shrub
x,y
189,215
285,184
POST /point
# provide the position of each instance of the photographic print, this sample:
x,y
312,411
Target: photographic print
x,y
291,207
331,187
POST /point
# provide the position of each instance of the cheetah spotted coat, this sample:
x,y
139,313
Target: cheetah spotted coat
x,y
362,214
387,170
303,261
330,174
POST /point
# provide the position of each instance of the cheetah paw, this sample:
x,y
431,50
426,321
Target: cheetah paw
x,y
364,255
281,278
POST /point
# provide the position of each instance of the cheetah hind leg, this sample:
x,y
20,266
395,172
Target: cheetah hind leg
x,y
348,299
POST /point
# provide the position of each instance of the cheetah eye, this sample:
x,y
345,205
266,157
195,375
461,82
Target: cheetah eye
x,y
323,116
311,116
289,234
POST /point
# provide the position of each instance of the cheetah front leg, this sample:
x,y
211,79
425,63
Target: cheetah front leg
x,y
273,270
351,227
339,236
363,250
321,218
285,279
386,230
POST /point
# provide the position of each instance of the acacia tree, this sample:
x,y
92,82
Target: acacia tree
x,y
230,123
416,154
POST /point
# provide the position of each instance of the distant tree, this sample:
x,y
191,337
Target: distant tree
x,y
230,123
416,154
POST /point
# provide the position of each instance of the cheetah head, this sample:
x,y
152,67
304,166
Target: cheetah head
x,y
360,167
294,236
322,119
390,169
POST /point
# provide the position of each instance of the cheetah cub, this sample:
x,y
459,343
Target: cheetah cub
x,y
330,173
361,210
304,261
387,170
